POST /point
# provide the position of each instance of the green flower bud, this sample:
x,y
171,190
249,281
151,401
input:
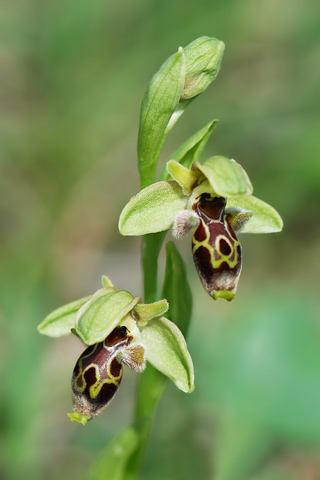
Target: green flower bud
x,y
203,60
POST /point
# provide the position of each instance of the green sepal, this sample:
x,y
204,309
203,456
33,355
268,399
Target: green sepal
x,y
60,321
145,312
159,102
187,179
99,293
225,176
265,219
153,209
203,60
167,351
79,418
176,289
96,320
190,151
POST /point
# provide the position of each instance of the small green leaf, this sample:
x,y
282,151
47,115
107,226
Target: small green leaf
x,y
101,316
60,321
265,219
203,60
145,312
186,178
167,351
176,289
152,210
191,150
225,176
159,102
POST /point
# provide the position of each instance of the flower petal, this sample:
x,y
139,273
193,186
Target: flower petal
x,y
153,209
186,178
265,219
145,312
167,351
226,176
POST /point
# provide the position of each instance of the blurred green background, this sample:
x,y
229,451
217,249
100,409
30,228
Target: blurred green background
x,y
72,78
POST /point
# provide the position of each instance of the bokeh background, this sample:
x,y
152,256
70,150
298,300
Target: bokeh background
x,y
72,78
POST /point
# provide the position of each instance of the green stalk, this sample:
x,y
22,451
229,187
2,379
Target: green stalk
x,y
151,245
151,383
150,389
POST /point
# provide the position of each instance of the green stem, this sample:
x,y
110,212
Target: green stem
x,y
150,388
151,382
151,245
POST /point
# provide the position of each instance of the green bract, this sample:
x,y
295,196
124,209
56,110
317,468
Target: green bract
x,y
167,85
190,151
181,78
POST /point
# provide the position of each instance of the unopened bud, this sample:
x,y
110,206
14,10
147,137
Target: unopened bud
x,y
203,60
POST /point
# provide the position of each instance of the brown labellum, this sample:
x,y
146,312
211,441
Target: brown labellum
x,y
97,374
216,249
